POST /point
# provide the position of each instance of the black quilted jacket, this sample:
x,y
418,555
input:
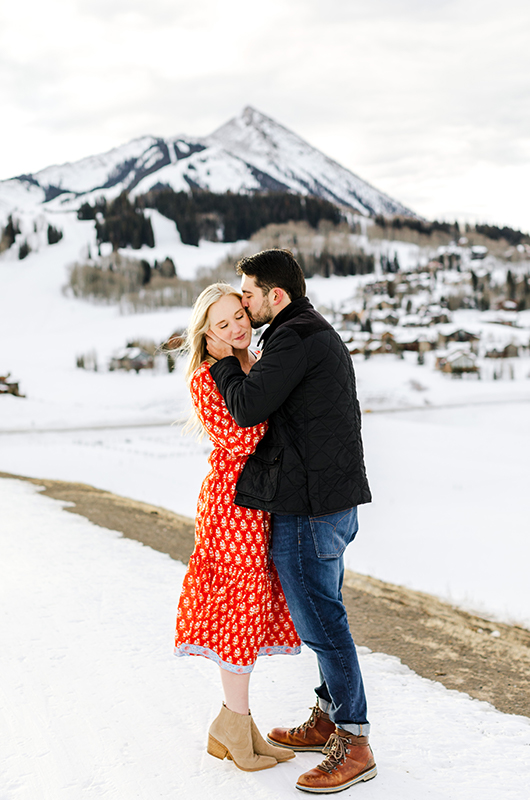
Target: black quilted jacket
x,y
311,460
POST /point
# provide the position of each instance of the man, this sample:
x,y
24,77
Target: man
x,y
308,471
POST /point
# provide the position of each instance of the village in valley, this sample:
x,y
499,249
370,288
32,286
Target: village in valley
x,y
463,313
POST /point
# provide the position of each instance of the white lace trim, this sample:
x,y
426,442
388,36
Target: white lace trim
x,y
198,650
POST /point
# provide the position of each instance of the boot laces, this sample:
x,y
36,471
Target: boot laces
x,y
310,723
336,752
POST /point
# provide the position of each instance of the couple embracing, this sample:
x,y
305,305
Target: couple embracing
x,y
274,516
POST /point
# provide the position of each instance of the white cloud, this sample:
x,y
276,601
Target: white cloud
x,y
411,95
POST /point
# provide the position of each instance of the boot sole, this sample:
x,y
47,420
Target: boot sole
x,y
220,751
364,776
298,749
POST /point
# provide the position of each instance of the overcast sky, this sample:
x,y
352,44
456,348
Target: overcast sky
x,y
429,100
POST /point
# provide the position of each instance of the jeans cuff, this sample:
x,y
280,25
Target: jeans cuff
x,y
323,705
357,730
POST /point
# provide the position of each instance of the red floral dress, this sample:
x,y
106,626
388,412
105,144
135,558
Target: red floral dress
x,y
232,607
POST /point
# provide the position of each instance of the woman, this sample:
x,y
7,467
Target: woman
x,y
232,607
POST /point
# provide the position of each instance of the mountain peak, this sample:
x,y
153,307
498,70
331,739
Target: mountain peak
x,y
249,153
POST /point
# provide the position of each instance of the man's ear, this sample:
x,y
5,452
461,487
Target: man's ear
x,y
278,295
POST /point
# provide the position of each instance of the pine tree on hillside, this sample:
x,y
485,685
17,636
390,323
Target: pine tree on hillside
x,y
24,250
510,285
54,235
9,233
125,225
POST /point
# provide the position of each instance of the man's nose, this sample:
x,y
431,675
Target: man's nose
x,y
244,302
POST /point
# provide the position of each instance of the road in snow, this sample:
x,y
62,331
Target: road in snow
x,y
449,514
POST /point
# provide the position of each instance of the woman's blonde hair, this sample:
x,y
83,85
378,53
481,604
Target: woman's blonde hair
x,y
195,343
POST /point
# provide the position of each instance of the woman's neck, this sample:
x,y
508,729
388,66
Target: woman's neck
x,y
245,358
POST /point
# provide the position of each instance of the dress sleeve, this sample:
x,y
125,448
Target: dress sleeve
x,y
220,426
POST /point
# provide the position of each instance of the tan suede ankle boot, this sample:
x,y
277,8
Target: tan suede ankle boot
x,y
263,748
230,735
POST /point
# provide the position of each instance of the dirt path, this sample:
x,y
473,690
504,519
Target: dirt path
x,y
488,660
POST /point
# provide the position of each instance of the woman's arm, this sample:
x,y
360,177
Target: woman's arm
x,y
221,428
252,398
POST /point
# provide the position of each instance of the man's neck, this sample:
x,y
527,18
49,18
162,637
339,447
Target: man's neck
x,y
277,309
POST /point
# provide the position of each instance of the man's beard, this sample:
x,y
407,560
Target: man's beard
x,y
263,316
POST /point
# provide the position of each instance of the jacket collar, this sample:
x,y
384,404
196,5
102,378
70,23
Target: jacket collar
x,y
294,308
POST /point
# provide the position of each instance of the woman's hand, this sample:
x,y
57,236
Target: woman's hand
x,y
216,347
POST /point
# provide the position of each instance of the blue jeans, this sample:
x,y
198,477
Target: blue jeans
x,y
308,554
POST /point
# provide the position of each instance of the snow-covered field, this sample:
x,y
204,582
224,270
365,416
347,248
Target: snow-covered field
x,y
449,513
94,704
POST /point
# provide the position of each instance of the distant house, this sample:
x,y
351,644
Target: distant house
x,y
458,362
387,302
414,339
8,386
436,315
380,345
132,358
351,318
451,333
356,348
377,347
450,256
478,252
412,321
358,344
502,316
385,316
510,350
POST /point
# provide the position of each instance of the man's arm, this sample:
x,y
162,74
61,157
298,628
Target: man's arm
x,y
252,398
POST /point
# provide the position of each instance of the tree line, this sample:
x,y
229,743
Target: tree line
x,y
230,217
493,232
9,233
202,215
120,222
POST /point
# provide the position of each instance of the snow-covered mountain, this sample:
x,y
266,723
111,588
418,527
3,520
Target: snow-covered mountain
x,y
249,153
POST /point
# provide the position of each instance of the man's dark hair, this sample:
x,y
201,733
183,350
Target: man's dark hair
x,y
272,268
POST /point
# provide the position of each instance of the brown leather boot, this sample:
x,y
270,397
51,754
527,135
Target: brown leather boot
x,y
311,735
230,735
349,760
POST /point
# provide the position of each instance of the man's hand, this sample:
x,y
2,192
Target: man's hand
x,y
216,347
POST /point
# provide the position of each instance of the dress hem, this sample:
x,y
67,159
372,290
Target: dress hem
x,y
199,650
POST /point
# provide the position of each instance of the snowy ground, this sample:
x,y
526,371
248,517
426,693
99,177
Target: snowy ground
x,y
94,704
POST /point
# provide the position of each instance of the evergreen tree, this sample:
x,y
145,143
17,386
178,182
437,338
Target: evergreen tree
x,y
146,271
24,250
10,232
54,235
124,225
